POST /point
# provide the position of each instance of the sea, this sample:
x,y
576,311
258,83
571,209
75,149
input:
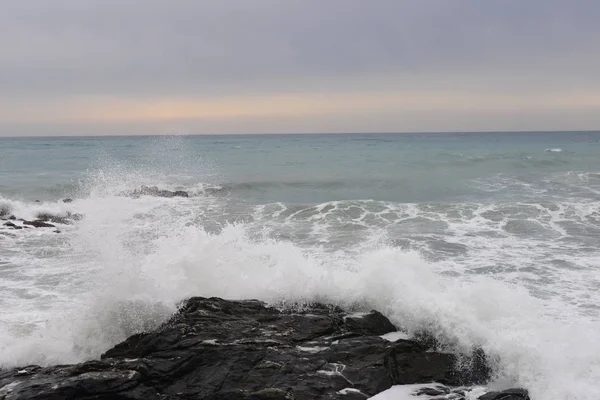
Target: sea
x,y
488,240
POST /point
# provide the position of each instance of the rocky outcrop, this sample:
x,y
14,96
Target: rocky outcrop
x,y
242,350
43,220
155,191
39,224
12,225
66,219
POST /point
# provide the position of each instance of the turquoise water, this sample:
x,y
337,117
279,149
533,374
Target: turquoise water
x,y
311,169
488,239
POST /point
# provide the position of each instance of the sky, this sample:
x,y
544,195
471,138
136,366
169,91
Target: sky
x,y
110,67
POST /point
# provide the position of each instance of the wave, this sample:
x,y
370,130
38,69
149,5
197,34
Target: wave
x,y
133,290
553,150
125,266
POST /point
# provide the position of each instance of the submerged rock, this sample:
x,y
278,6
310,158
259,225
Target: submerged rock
x,y
241,350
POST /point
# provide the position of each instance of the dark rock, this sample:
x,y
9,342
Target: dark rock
x,y
433,391
12,225
510,394
38,224
123,384
75,216
4,210
477,368
155,191
180,193
245,350
66,219
427,339
373,323
67,200
440,392
57,219
409,362
12,217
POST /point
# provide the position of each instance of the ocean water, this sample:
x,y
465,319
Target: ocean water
x,y
486,239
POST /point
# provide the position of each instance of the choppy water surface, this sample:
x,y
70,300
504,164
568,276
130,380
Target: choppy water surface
x,y
492,240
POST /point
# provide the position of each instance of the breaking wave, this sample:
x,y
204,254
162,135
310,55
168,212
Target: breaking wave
x,y
470,272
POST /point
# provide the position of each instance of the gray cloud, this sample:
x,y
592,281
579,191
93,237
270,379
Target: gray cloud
x,y
67,48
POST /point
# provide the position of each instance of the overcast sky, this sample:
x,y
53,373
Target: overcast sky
x,y
83,67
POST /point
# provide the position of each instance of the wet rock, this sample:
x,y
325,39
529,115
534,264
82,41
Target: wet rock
x,y
76,216
38,224
440,392
478,369
67,200
510,394
243,350
155,191
12,225
409,362
70,385
57,219
65,219
4,210
11,217
427,339
433,391
373,323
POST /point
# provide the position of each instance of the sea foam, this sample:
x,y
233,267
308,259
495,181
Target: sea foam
x,y
127,264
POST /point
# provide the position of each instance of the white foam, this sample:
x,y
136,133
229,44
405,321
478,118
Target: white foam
x,y
399,392
315,349
126,265
554,150
408,392
30,210
349,391
393,336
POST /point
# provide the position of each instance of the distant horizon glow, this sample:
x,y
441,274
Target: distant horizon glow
x,y
298,67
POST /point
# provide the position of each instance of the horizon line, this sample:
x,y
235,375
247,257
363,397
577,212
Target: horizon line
x,y
300,133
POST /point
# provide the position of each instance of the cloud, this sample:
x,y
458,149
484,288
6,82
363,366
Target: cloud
x,y
66,59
